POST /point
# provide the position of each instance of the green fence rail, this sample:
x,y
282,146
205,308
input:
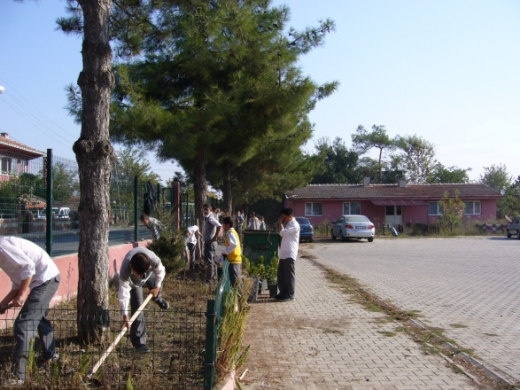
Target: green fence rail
x,y
214,315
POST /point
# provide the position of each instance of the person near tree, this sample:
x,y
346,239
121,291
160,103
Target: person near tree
x,y
261,224
140,267
240,222
35,279
192,233
212,229
153,224
290,233
254,223
232,251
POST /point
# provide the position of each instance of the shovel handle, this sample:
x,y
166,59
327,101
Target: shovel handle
x,y
119,336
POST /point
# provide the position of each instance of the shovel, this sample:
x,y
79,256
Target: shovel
x,y
119,336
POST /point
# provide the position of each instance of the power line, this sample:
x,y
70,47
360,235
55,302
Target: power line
x,y
32,106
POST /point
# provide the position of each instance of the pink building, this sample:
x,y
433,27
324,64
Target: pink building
x,y
394,204
15,157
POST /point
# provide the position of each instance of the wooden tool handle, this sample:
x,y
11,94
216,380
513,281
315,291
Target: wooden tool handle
x,y
120,335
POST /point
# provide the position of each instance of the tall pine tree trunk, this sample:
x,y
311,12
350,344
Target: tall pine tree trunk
x,y
227,189
199,185
94,155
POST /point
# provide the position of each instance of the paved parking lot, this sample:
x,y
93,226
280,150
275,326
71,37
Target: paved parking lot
x,y
468,286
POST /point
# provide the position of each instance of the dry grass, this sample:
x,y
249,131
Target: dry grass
x,y
176,339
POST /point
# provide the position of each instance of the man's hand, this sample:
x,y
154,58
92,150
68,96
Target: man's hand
x,y
3,309
155,291
126,323
18,301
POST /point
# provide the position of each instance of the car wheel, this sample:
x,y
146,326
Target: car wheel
x,y
518,234
370,239
311,239
343,238
332,236
508,234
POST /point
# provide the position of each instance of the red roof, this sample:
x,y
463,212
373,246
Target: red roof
x,y
9,145
392,191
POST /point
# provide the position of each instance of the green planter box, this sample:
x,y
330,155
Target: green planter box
x,y
261,243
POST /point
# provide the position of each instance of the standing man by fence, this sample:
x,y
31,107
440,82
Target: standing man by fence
x,y
232,251
30,268
212,229
288,252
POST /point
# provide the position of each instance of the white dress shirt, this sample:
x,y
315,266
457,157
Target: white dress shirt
x,y
20,259
290,240
192,238
127,280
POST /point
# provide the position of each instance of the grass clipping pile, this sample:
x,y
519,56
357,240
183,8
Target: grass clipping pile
x,y
176,338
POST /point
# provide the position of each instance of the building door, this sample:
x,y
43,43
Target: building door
x,y
394,215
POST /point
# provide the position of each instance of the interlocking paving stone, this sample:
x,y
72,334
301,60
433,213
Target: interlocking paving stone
x,y
322,340
472,282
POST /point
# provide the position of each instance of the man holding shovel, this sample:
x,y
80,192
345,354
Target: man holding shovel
x,y
140,267
35,279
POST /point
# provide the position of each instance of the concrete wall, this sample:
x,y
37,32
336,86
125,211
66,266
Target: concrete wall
x,y
68,266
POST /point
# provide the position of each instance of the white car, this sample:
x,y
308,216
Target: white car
x,y
353,226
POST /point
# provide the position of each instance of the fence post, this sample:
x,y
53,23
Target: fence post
x,y
187,201
158,200
209,358
49,219
136,218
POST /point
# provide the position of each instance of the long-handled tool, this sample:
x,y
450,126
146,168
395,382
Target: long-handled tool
x,y
119,336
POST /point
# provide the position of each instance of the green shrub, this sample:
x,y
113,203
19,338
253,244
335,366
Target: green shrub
x,y
170,246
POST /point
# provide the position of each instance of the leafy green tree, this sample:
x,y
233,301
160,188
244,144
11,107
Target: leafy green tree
x,y
339,165
65,182
416,158
452,211
442,174
496,177
363,141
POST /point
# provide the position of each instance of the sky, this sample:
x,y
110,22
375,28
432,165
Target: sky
x,y
445,70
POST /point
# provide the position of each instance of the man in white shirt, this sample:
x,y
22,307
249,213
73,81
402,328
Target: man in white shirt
x,y
140,267
212,229
192,233
32,272
254,223
290,234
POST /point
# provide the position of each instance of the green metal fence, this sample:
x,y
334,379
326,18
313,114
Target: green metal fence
x,y
214,315
175,338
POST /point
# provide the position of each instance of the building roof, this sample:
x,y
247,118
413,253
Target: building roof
x,y
14,147
392,191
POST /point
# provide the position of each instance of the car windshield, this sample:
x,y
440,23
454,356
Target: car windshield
x,y
357,218
303,221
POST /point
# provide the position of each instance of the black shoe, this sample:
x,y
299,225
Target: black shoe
x,y
288,299
161,302
142,348
279,297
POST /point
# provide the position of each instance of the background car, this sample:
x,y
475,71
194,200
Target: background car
x,y
306,229
353,226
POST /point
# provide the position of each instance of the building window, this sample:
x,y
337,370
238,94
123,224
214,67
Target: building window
x,y
7,165
472,208
312,209
351,208
434,208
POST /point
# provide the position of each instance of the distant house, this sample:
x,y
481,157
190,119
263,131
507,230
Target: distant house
x,y
394,204
15,157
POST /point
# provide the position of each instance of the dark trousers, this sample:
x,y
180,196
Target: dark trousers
x,y
138,327
286,277
235,272
210,252
31,319
191,251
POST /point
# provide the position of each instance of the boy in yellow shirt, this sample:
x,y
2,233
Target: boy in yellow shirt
x,y
232,251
